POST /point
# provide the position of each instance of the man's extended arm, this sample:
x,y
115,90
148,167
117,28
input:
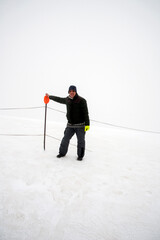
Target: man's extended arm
x,y
57,99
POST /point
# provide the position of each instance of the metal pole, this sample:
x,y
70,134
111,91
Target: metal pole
x,y
44,144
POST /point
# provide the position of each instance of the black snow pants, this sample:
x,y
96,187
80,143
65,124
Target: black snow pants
x,y
68,134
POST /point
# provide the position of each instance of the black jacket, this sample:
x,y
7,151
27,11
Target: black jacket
x,y
77,111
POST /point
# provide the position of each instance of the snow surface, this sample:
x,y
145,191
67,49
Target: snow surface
x,y
113,194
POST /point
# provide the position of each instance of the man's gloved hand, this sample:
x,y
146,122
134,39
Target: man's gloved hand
x,y
86,128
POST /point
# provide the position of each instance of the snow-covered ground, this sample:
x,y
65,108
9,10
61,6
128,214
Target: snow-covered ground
x,y
113,194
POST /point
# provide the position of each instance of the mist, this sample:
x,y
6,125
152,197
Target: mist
x,y
109,49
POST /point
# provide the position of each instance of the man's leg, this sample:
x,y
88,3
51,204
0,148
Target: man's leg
x,y
68,134
81,142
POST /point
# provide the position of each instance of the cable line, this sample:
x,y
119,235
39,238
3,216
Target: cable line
x,y
25,108
74,145
114,125
56,110
128,128
35,135
20,135
92,120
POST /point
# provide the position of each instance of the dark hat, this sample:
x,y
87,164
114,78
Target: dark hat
x,y
72,88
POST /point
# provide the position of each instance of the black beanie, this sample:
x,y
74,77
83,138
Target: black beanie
x,y
73,88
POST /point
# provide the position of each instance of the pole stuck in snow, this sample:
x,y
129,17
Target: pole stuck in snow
x,y
46,101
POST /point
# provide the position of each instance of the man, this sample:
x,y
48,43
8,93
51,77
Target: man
x,y
78,121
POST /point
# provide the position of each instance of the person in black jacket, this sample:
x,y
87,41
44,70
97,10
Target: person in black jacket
x,y
78,121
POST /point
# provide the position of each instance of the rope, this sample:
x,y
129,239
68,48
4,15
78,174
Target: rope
x,y
104,123
56,110
20,135
25,108
74,145
36,135
128,128
114,125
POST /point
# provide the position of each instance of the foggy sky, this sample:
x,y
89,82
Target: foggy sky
x,y
109,49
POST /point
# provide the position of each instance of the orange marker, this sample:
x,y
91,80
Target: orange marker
x,y
46,99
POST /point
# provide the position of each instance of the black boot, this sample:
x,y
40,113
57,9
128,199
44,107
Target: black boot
x,y
60,155
80,158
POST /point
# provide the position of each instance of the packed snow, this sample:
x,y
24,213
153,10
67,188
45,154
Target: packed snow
x,y
113,194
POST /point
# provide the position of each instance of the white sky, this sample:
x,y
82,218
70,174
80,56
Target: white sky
x,y
109,49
